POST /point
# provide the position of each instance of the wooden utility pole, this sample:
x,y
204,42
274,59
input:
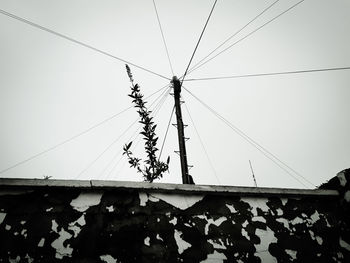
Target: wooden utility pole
x,y
180,131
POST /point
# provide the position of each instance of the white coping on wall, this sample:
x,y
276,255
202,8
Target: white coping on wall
x,y
161,187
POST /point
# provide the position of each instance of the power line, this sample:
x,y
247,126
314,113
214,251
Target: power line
x,y
161,102
111,161
270,74
233,35
116,164
121,157
199,40
166,132
115,156
161,96
248,35
105,150
256,145
77,42
73,137
111,144
202,144
245,137
64,142
164,42
119,152
154,113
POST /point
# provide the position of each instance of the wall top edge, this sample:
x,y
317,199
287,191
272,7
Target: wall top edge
x,y
162,187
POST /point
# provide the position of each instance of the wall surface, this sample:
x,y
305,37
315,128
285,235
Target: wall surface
x,y
45,221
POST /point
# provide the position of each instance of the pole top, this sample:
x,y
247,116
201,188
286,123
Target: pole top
x,y
176,84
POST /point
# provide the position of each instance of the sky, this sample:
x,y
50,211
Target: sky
x,y
52,89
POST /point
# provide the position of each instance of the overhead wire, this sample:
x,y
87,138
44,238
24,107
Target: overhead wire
x,y
108,147
28,22
163,37
154,113
114,158
124,163
63,142
161,99
166,132
105,150
199,40
270,74
160,104
233,35
119,152
246,36
256,145
203,146
186,72
73,137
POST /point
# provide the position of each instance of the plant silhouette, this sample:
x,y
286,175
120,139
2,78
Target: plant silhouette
x,y
153,168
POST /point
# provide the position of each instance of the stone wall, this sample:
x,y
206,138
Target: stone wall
x,y
92,221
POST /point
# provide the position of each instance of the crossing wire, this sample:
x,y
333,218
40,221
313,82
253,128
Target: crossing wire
x,y
154,113
233,35
111,144
119,152
63,142
164,42
270,74
248,35
166,132
160,103
105,150
199,40
115,157
73,137
77,42
202,144
256,145
121,157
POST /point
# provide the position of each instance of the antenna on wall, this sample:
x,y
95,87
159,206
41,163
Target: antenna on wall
x,y
251,168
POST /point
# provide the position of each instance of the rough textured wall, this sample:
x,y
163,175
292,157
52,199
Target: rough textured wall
x,y
341,183
114,225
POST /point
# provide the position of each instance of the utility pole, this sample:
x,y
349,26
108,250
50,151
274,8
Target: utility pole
x,y
180,131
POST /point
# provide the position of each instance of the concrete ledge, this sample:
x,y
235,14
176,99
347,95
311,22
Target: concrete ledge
x,y
10,182
160,187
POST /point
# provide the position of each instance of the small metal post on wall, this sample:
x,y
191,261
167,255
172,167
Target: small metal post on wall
x,y
186,178
251,168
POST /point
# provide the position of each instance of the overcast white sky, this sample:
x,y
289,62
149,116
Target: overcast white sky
x,y
52,89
